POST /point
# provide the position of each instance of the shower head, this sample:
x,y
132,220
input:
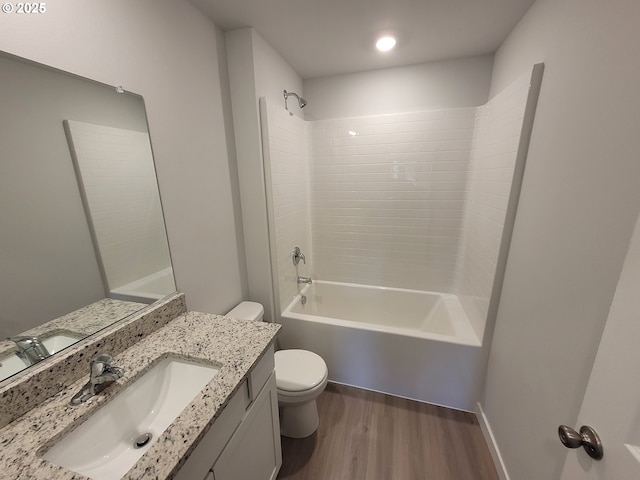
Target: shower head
x,y
301,101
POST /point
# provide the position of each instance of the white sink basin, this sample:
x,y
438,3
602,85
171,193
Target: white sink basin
x,y
103,447
10,365
57,342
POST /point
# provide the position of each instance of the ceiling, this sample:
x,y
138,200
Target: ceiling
x,y
328,37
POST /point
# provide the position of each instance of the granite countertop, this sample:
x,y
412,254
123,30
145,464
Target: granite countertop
x,y
236,345
79,323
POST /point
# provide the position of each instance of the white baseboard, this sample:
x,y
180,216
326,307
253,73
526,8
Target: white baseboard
x,y
491,443
399,396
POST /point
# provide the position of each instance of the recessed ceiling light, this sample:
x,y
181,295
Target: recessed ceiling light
x,y
384,44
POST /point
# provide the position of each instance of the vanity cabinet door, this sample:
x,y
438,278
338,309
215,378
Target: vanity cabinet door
x,y
199,463
254,451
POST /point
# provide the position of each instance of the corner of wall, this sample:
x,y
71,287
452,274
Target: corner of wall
x,y
491,443
227,112
246,123
273,74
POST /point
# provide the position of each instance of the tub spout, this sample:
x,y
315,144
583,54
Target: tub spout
x,y
302,279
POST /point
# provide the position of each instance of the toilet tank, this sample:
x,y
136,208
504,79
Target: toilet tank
x,y
247,311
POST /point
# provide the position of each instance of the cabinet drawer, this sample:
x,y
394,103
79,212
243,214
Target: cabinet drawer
x,y
214,441
261,373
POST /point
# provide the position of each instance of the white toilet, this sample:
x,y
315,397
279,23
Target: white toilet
x,y
301,376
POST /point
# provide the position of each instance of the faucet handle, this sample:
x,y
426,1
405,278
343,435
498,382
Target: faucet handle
x,y
103,372
102,363
103,358
297,255
24,340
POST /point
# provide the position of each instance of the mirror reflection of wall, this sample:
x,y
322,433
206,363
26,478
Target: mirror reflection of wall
x,y
118,184
48,262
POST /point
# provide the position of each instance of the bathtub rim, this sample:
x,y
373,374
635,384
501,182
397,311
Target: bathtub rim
x,y
130,291
468,338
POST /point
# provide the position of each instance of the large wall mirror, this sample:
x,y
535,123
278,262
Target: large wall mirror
x,y
82,237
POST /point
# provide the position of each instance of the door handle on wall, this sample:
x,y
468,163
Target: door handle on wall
x,y
587,438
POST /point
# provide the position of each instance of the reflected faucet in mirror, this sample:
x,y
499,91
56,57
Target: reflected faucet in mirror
x,y
30,349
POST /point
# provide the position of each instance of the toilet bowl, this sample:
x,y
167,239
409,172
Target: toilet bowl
x,y
301,376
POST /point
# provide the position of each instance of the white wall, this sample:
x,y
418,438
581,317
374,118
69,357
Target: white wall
x,y
274,75
239,44
255,70
169,53
447,84
578,206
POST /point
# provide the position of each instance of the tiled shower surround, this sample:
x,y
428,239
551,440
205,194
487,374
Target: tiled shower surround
x,y
493,159
411,200
289,158
388,196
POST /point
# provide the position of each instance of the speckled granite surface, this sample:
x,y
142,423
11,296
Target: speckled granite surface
x,y
38,383
80,323
237,345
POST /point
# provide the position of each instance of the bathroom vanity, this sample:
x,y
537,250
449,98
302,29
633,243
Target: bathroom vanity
x,y
244,442
229,431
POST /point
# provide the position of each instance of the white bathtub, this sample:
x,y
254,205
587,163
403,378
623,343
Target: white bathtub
x,y
413,344
147,289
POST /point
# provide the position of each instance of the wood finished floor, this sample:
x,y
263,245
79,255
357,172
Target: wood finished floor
x,y
371,436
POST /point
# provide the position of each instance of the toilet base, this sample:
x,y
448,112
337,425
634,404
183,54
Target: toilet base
x,y
299,421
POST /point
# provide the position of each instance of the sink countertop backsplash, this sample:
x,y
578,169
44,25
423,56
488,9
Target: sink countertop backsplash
x,y
81,323
236,345
41,381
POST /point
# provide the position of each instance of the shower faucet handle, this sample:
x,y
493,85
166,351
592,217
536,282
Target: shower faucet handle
x,y
297,255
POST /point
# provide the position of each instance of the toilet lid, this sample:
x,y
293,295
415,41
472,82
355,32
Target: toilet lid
x,y
299,370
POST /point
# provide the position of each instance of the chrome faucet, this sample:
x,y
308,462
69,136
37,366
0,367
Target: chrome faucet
x,y
30,349
297,255
103,372
302,279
